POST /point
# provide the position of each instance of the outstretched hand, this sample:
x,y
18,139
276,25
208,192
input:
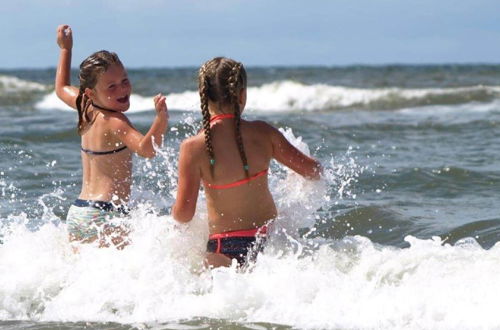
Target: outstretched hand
x,y
160,104
64,37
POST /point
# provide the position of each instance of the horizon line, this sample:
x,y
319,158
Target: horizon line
x,y
259,66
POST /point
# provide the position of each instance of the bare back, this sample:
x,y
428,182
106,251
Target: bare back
x,y
108,176
245,206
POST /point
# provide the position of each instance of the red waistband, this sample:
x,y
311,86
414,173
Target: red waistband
x,y
241,233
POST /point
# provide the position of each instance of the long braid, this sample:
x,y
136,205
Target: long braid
x,y
203,88
234,89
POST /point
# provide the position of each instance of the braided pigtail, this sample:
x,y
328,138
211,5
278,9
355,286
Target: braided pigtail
x,y
82,106
235,83
203,88
221,81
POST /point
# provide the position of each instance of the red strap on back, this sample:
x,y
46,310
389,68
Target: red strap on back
x,y
237,183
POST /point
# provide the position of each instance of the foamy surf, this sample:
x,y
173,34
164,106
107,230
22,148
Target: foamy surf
x,y
289,96
52,102
314,283
11,84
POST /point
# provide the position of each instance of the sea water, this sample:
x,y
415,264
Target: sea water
x,y
401,232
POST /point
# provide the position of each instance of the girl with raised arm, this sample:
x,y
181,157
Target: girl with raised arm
x,y
108,139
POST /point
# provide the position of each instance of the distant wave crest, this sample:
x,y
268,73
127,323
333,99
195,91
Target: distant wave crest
x,y
290,96
293,96
10,84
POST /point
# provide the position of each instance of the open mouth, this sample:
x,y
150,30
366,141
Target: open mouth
x,y
123,99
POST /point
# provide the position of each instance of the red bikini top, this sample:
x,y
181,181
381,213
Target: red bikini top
x,y
239,182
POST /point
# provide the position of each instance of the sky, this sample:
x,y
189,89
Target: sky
x,y
166,33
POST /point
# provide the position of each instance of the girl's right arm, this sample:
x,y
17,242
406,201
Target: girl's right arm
x,y
188,184
285,153
64,90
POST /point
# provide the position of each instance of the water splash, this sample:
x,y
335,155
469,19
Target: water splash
x,y
298,281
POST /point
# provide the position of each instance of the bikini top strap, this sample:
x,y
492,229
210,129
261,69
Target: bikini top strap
x,y
239,182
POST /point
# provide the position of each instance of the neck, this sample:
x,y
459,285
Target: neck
x,y
215,117
102,108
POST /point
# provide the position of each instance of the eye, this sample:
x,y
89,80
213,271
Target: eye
x,y
112,86
125,82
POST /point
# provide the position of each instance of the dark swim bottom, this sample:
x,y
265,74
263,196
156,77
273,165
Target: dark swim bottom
x,y
242,245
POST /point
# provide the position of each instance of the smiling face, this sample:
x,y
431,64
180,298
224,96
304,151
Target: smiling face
x,y
112,90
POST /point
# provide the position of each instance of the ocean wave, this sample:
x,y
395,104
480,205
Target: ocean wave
x,y
290,96
11,84
52,102
16,92
138,103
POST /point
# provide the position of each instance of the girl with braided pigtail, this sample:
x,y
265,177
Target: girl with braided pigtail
x,y
230,156
108,140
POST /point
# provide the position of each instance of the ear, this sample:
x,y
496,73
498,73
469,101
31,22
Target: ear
x,y
89,92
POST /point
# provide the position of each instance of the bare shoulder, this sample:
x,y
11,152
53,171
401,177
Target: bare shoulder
x,y
193,145
266,130
116,119
118,123
261,126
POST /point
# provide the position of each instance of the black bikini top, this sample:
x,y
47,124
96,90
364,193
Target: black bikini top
x,y
109,152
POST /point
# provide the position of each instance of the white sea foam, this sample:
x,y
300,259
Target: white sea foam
x,y
185,101
289,96
52,102
471,107
10,84
293,96
351,283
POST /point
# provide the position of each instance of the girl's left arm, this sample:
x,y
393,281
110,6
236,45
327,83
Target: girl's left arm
x,y
188,185
285,153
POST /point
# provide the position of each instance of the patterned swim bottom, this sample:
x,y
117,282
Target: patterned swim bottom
x,y
87,219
